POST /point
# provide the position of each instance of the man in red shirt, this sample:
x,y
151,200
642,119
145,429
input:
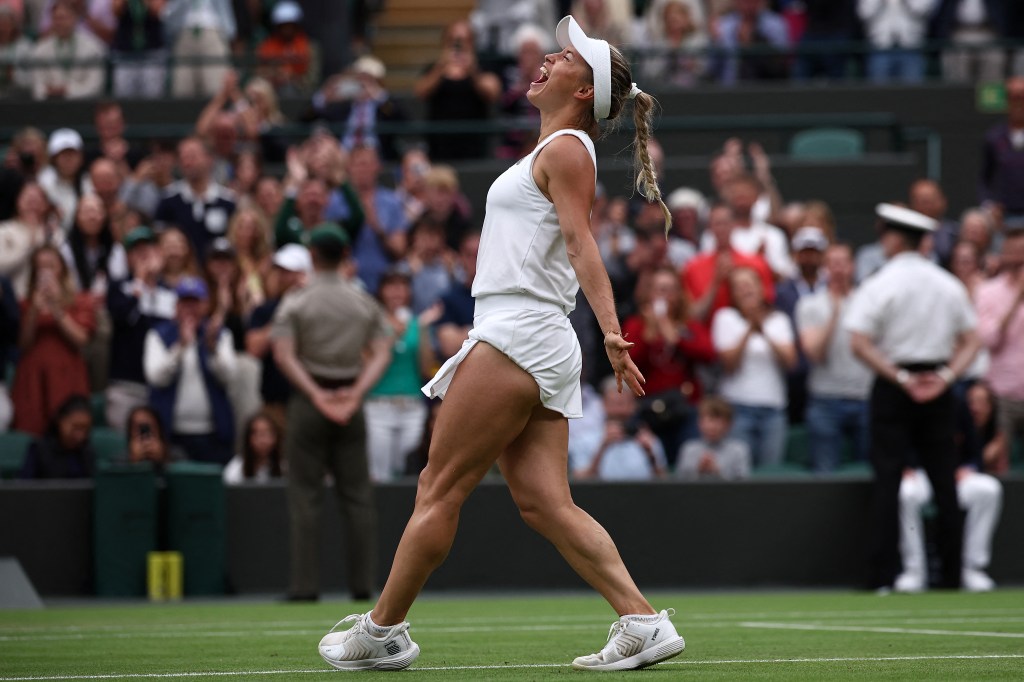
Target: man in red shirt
x,y
706,277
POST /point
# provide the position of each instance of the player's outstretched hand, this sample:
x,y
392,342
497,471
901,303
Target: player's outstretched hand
x,y
623,365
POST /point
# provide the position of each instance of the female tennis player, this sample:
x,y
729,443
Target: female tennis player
x,y
511,388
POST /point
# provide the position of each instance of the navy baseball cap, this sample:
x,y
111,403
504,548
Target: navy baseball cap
x,y
192,287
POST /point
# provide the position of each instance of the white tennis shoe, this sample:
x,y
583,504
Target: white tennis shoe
x,y
636,642
357,649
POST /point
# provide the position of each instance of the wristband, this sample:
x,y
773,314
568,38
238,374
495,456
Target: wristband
x,y
902,377
946,374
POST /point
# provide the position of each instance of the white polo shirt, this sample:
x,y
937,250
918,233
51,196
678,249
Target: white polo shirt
x,y
912,309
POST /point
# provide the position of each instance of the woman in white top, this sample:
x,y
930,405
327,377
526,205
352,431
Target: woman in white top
x,y
510,389
755,345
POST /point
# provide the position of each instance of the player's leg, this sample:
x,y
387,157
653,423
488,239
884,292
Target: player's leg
x,y
486,406
535,466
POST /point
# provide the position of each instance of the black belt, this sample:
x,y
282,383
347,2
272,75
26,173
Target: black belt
x,y
917,367
329,384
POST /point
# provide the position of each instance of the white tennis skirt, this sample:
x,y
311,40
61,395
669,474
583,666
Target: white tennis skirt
x,y
534,334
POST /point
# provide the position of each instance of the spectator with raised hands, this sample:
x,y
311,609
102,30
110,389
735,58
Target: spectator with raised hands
x,y
188,363
383,238
897,32
316,189
33,225
56,324
668,344
756,347
197,204
135,305
705,278
455,88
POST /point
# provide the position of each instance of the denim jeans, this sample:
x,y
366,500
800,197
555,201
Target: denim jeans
x,y
905,66
763,429
829,420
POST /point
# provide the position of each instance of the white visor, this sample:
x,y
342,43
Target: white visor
x,y
596,54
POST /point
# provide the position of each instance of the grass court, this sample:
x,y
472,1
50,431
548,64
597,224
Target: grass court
x,y
729,636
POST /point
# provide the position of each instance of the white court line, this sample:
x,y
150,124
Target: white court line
x,y
684,618
523,666
79,633
885,630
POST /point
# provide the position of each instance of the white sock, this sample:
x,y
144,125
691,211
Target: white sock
x,y
644,618
376,630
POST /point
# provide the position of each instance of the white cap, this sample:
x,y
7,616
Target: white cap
x,y
810,238
370,66
63,139
905,218
286,12
293,258
687,197
595,53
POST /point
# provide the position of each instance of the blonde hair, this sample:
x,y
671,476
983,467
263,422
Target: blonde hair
x,y
644,107
266,90
442,176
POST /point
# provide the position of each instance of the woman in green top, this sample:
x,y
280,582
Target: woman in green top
x,y
395,409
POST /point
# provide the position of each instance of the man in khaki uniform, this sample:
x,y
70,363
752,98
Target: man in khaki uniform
x,y
332,343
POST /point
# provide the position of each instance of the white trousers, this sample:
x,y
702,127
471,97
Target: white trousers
x,y
980,495
394,427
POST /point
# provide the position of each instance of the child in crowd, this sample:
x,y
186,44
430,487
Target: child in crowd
x,y
714,454
260,459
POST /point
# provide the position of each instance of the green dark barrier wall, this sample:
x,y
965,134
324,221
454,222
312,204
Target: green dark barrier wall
x,y
798,533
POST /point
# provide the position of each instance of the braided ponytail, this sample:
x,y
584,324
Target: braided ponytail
x,y
624,89
646,177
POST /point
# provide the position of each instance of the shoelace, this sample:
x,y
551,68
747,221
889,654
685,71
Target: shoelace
x,y
620,625
347,619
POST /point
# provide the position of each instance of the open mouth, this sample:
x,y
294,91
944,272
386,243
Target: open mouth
x,y
543,76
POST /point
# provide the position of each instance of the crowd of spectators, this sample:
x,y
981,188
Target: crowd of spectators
x,y
66,49
143,279
150,274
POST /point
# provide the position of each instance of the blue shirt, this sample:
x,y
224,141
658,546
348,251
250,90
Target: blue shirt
x,y
369,253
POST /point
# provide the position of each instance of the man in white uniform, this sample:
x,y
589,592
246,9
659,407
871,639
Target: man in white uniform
x,y
913,324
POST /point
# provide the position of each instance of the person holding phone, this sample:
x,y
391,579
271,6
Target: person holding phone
x,y
56,323
455,88
669,343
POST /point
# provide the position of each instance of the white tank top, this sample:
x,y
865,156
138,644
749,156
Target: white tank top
x,y
521,245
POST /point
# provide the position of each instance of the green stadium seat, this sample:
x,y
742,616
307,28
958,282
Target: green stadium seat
x,y
13,445
124,528
99,409
782,470
827,143
197,525
797,451
109,444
